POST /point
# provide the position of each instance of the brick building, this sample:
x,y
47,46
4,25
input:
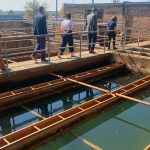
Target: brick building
x,y
130,14
11,21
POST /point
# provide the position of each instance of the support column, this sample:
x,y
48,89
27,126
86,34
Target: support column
x,y
2,64
56,10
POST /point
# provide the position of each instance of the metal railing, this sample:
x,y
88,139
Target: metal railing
x,y
5,53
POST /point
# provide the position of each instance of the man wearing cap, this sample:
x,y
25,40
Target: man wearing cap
x,y
67,37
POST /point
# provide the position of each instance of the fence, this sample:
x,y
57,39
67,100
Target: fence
x,y
78,44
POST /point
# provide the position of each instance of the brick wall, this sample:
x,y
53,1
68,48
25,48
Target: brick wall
x,y
11,24
138,15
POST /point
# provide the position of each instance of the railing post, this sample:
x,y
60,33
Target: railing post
x,y
124,39
2,65
80,44
104,41
125,36
139,34
33,41
49,52
6,56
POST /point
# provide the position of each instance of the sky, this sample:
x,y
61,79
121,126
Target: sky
x,y
19,4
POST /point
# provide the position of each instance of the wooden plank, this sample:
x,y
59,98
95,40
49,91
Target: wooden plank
x,y
133,99
87,142
79,82
147,148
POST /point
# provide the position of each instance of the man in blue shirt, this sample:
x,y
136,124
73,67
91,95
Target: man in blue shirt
x,y
40,28
112,33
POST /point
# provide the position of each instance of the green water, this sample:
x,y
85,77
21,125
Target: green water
x,y
124,127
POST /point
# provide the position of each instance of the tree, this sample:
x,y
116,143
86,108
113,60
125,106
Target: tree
x,y
62,11
33,8
10,12
116,1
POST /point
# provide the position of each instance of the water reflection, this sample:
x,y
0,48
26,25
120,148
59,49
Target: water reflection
x,y
44,110
5,125
67,102
17,118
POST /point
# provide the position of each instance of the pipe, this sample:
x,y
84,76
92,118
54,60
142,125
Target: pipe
x,y
81,83
133,99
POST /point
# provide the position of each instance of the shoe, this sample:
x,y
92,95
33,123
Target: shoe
x,y
33,58
59,55
73,56
3,69
44,60
92,52
115,48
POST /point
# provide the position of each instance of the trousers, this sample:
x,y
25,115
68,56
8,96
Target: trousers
x,y
111,35
67,39
92,37
40,46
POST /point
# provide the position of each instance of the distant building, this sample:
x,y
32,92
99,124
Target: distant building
x,y
130,14
8,22
11,17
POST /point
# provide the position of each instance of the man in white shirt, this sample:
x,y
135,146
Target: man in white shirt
x,y
66,27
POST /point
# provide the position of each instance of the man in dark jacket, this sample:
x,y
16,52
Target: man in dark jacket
x,y
91,25
40,28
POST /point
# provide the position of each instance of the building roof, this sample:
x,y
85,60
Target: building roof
x,y
90,5
87,5
11,17
136,3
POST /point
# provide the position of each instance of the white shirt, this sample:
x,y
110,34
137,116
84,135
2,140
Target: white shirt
x,y
66,25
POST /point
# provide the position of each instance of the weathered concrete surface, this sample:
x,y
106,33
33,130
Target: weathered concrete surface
x,y
28,69
134,62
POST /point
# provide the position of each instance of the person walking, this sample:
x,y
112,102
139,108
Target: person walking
x,y
91,26
111,32
66,27
40,28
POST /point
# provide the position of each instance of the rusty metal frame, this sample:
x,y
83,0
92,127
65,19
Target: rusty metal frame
x,y
49,126
16,97
147,148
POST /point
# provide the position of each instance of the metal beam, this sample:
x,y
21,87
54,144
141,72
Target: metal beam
x,y
56,10
49,88
53,124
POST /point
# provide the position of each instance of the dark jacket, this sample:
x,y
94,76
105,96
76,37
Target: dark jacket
x,y
112,25
91,22
40,24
